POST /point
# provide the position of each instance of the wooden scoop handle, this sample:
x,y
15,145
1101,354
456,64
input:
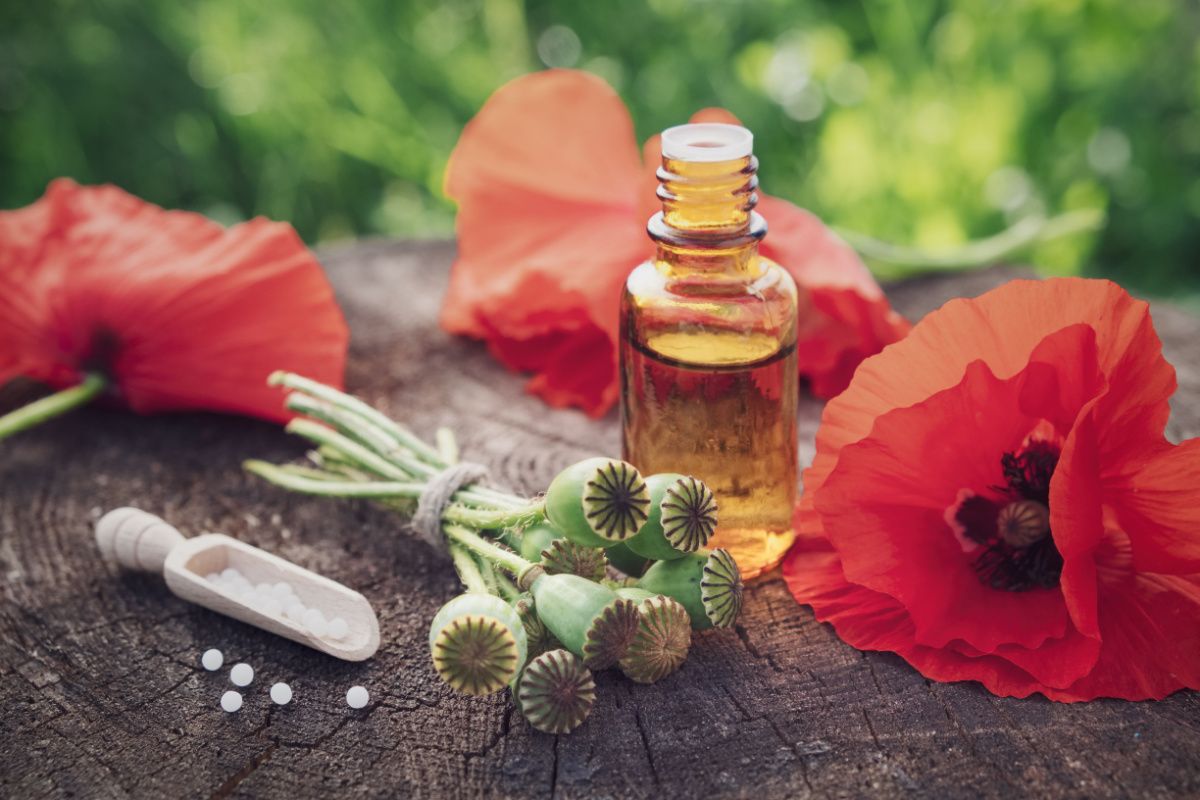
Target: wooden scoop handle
x,y
136,539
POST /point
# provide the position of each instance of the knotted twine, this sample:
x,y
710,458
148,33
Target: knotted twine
x,y
427,522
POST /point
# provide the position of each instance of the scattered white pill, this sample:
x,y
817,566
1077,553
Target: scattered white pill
x,y
229,574
281,694
264,588
295,610
231,701
282,590
357,697
338,628
212,659
314,620
241,674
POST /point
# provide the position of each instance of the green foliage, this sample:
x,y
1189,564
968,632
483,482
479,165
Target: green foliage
x,y
925,123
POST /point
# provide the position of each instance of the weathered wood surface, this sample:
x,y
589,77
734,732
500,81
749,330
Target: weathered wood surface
x,y
102,694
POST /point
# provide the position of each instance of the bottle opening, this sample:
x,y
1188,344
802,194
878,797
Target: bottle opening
x,y
707,141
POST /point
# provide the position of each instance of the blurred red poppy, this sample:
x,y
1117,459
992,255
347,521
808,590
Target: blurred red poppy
x,y
553,201
170,309
993,499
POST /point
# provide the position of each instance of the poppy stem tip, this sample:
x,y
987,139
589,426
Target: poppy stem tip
x,y
47,408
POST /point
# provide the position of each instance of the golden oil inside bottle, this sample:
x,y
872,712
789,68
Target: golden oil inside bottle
x,y
708,360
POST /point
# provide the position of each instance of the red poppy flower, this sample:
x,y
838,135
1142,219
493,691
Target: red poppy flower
x,y
553,201
171,309
993,499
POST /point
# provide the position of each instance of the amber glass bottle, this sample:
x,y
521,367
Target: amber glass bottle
x,y
708,346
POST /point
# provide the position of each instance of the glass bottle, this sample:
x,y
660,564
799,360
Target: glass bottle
x,y
708,346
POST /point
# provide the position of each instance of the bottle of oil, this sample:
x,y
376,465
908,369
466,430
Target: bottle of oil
x,y
708,346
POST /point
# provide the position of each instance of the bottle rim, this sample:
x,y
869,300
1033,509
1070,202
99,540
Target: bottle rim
x,y
707,142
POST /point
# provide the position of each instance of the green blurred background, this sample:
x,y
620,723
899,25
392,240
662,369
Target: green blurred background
x,y
922,123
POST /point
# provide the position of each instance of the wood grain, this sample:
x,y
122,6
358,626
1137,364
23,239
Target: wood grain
x,y
102,693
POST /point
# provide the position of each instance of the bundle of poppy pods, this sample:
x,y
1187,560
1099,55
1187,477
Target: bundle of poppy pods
x,y
542,608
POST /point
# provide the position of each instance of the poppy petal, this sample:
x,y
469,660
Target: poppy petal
x,y
182,313
1154,495
546,178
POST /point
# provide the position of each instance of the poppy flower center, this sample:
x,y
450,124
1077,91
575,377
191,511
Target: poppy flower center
x,y
102,353
1014,549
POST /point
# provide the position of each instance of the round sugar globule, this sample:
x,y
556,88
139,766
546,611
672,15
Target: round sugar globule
x,y
242,674
281,694
315,622
338,628
357,697
212,659
294,610
231,701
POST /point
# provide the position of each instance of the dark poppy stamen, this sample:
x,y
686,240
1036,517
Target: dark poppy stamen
x,y
103,352
1028,471
1019,553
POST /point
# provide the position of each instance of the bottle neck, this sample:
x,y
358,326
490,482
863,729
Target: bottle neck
x,y
708,223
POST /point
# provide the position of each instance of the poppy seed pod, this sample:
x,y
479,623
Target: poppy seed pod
x,y
708,584
627,561
1023,522
598,501
564,557
683,516
533,540
538,637
589,619
556,692
478,643
663,637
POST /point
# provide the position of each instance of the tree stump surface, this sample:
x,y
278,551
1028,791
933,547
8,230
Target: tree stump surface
x,y
102,693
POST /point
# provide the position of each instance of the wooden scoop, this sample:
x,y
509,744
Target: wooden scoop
x,y
138,540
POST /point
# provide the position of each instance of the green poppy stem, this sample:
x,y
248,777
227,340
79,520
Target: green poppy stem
x,y
301,483
508,589
494,553
468,571
902,260
483,518
50,407
350,452
353,405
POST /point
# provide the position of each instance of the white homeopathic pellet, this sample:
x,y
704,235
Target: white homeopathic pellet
x,y
338,628
314,620
241,674
212,659
231,701
357,697
281,694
